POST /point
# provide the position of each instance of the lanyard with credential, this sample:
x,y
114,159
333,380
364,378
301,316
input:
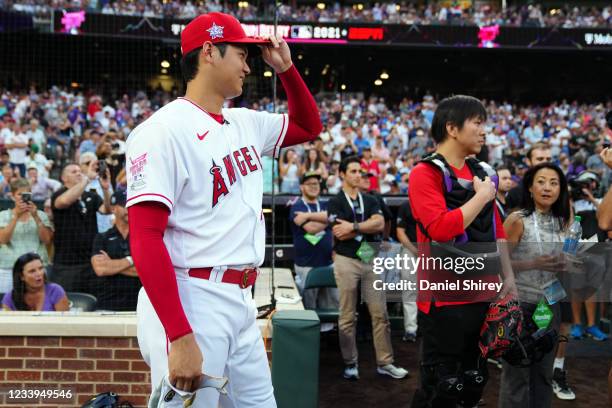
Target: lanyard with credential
x,y
350,202
536,230
308,207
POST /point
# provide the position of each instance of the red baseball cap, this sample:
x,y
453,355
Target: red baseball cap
x,y
216,28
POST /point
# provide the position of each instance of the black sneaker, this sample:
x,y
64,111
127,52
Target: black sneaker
x,y
560,387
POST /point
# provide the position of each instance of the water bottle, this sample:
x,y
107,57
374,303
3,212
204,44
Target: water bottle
x,y
572,238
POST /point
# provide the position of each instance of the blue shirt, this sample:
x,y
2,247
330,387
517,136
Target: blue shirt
x,y
87,146
360,144
307,254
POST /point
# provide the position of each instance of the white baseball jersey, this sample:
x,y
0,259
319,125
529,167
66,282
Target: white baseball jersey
x,y
210,177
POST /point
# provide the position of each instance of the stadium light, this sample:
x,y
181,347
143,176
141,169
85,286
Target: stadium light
x,y
300,56
243,4
268,74
358,7
164,71
165,64
343,87
384,75
321,6
378,82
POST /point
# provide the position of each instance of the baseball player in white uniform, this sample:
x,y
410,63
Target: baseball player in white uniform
x,y
195,185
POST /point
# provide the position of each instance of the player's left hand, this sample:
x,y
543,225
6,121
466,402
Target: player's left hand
x,y
343,230
277,54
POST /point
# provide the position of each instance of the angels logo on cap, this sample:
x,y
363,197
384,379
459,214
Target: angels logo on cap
x,y
215,31
216,28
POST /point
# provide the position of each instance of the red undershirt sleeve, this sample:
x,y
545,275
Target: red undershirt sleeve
x,y
304,119
148,221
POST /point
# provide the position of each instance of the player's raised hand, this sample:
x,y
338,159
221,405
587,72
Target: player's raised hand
x,y
277,54
185,363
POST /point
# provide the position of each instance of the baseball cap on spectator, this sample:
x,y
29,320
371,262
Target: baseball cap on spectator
x,y
216,28
87,158
32,166
119,197
309,175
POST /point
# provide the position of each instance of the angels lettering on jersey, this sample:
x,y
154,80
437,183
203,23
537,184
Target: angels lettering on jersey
x,y
243,160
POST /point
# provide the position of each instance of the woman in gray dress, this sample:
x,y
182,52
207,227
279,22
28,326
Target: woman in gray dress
x,y
535,233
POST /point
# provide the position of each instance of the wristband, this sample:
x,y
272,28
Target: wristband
x,y
130,260
304,223
356,226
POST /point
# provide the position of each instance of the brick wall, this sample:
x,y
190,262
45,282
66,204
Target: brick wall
x,y
86,365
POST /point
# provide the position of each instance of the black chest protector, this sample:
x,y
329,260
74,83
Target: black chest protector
x,y
457,192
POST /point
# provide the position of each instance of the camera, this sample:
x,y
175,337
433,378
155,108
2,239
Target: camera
x,y
26,197
584,180
102,168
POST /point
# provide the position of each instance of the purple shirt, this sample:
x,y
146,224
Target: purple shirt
x,y
53,294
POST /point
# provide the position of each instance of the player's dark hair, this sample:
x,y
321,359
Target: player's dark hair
x,y
346,161
190,62
19,285
455,110
561,207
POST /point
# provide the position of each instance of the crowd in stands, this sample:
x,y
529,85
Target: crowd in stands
x,y
451,13
53,141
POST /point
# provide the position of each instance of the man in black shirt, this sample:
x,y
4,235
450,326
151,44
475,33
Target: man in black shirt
x,y
358,222
74,216
365,187
406,235
118,284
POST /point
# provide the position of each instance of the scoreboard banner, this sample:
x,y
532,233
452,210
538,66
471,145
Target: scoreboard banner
x,y
82,23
